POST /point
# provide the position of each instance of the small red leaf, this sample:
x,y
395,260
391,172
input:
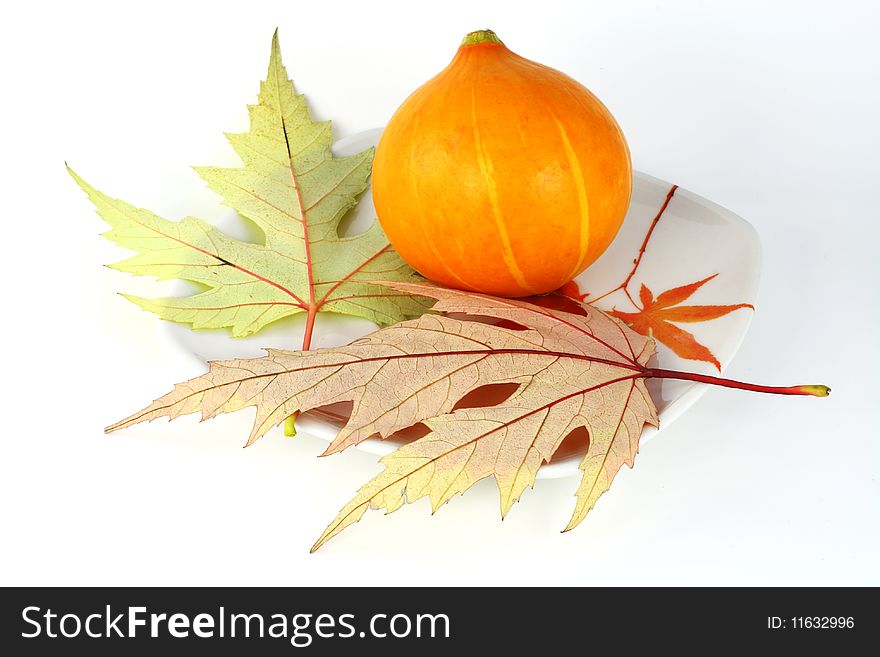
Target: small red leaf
x,y
699,313
638,322
655,317
656,314
678,294
572,291
560,301
682,343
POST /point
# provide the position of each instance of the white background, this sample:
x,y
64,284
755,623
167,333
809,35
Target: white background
x,y
769,109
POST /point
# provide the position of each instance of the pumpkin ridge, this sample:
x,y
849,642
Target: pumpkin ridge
x,y
484,160
417,196
583,201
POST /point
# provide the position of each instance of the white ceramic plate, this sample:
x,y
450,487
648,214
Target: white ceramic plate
x,y
693,239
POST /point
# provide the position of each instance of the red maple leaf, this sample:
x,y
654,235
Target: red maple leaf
x,y
572,291
657,314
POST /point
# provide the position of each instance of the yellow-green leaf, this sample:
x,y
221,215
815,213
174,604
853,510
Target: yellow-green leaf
x,y
294,189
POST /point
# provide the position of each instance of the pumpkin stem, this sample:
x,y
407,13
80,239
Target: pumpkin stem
x,y
481,36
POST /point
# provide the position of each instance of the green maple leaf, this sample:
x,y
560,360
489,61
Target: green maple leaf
x,y
294,189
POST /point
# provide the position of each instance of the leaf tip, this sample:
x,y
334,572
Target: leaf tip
x,y
75,176
136,300
576,519
323,538
116,426
276,49
507,502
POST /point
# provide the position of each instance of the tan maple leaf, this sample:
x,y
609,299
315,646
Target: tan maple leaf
x,y
573,371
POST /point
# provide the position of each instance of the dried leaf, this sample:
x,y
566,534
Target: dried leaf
x,y
573,371
294,189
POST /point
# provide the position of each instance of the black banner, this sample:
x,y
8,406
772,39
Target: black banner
x,y
430,621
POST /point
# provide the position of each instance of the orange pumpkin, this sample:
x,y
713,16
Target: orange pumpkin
x,y
501,175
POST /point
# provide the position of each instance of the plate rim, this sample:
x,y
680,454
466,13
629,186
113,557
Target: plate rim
x,y
568,466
